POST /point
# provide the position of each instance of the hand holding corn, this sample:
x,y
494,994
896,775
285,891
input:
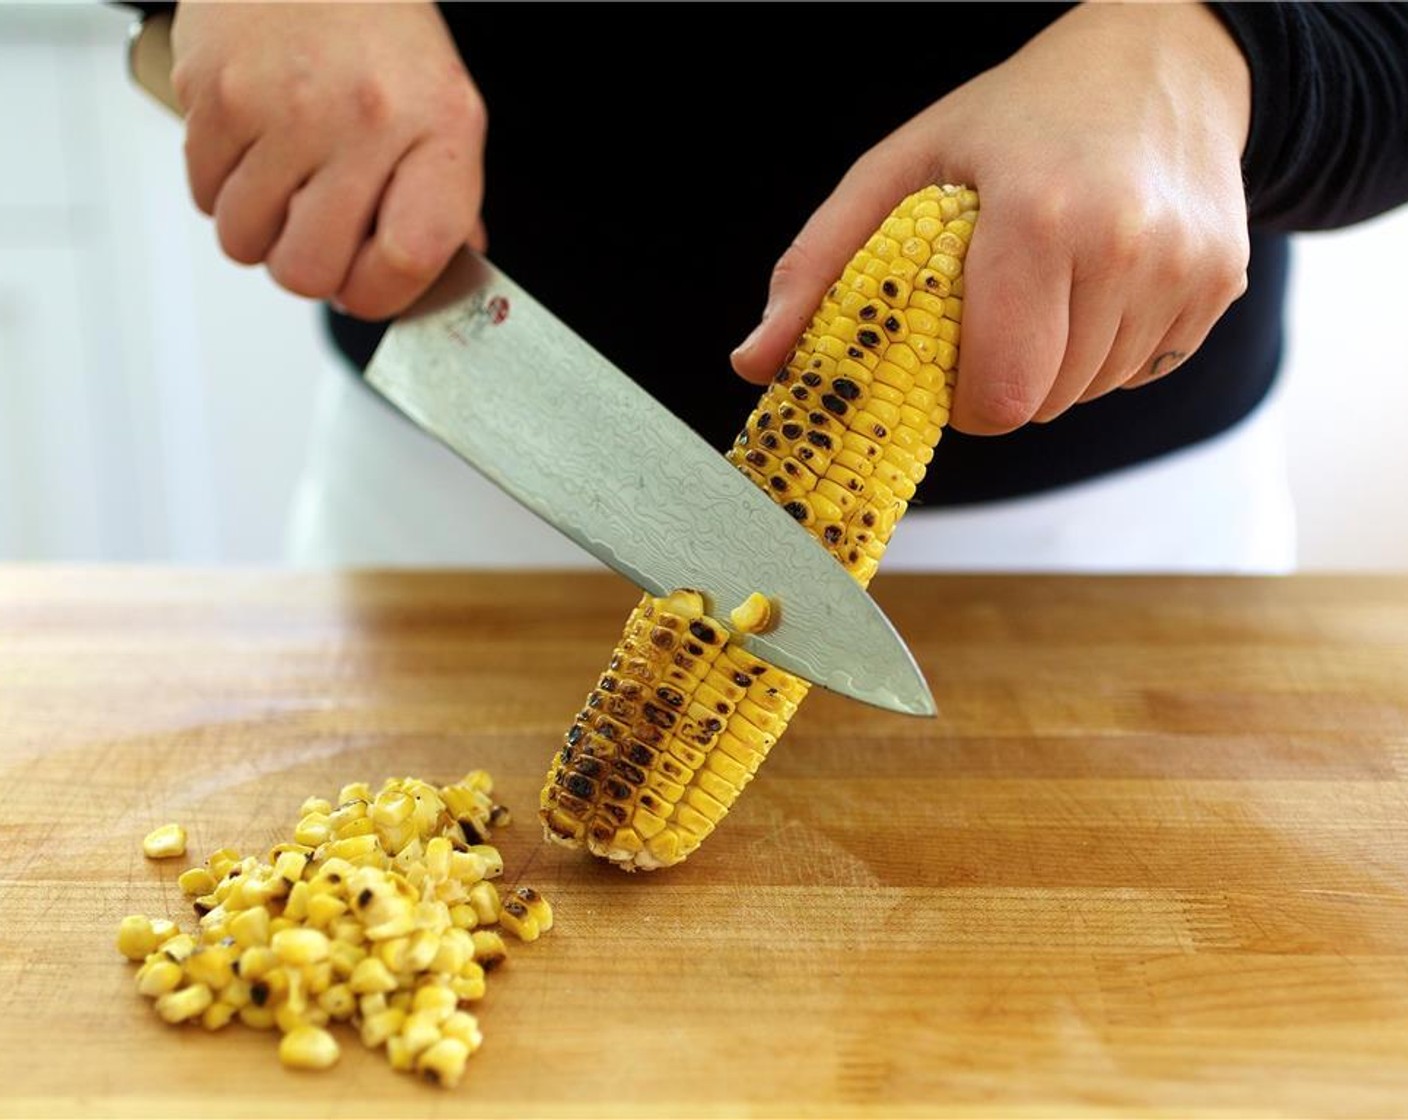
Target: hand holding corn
x,y
1114,236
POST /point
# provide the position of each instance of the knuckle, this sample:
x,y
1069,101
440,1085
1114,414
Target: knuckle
x,y
372,102
302,272
415,256
1003,406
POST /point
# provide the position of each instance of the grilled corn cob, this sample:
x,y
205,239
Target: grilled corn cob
x,y
683,716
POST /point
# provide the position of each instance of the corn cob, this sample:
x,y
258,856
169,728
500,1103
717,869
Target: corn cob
x,y
683,716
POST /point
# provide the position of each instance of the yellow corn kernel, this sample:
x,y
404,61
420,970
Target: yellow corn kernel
x,y
435,1001
211,966
338,1001
465,1027
217,1015
300,946
250,927
399,1054
308,1048
313,829
377,1029
443,1062
371,975
489,948
196,880
185,1003
164,842
753,616
257,1017
135,937
420,1031
158,977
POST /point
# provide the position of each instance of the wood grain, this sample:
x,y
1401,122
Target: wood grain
x,y
1151,859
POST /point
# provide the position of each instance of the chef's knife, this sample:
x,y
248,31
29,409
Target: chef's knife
x,y
490,372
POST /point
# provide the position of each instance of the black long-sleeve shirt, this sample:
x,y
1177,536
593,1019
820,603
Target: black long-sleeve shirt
x,y
656,244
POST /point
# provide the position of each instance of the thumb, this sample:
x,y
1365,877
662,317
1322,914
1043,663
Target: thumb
x,y
840,226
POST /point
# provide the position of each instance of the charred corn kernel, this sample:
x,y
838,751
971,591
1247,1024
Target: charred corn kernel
x,y
185,1003
308,1048
300,946
164,842
465,1027
515,918
217,1015
250,927
443,1062
489,949
840,439
196,880
290,866
159,977
135,937
371,975
376,1029
753,616
536,905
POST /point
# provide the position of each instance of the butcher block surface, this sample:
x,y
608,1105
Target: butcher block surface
x,y
1152,857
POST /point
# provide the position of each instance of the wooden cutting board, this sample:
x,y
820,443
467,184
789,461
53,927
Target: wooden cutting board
x,y
1152,858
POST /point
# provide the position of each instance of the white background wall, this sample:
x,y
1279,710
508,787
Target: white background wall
x,y
155,399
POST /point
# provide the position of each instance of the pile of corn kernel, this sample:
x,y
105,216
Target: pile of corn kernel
x,y
379,914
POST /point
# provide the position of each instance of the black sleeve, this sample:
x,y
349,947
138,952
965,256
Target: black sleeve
x,y
1329,131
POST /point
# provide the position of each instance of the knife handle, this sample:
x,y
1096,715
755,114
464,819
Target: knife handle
x,y
149,59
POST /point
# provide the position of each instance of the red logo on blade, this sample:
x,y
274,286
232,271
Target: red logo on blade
x,y
497,307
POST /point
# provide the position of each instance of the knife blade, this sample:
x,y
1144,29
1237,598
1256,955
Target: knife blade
x,y
491,373
486,369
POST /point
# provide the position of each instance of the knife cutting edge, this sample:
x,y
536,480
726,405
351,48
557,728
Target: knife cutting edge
x,y
487,370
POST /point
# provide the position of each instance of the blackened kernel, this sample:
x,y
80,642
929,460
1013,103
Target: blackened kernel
x,y
819,419
868,519
589,767
579,786
855,352
742,680
892,323
756,459
694,648
806,454
797,510
880,431
671,696
764,420
769,440
800,393
633,774
820,439
639,753
792,430
890,288
703,631
789,467
777,482
832,534
472,835
868,338
658,717
845,388
812,379
835,404
616,789
867,313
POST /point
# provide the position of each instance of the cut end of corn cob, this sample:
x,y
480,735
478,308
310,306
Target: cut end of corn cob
x,y
683,716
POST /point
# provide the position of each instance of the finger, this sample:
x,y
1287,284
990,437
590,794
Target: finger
x,y
1178,344
1015,325
428,212
214,147
1133,351
253,202
327,222
479,237
1094,321
839,227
